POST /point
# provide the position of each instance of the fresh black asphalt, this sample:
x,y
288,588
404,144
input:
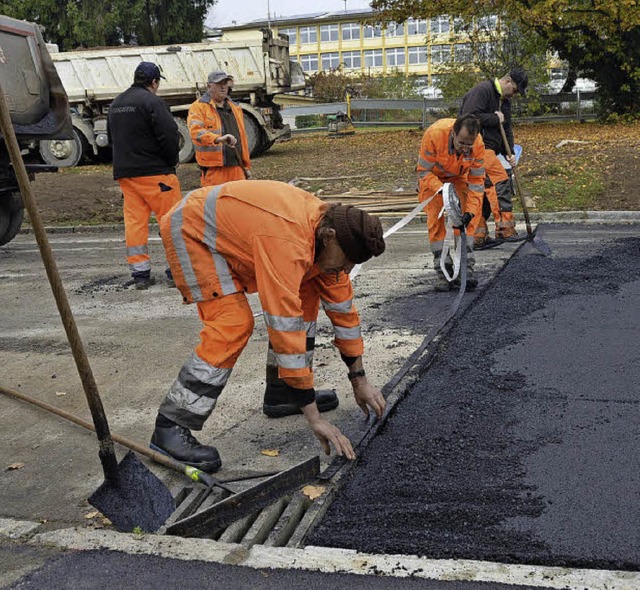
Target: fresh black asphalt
x,y
520,443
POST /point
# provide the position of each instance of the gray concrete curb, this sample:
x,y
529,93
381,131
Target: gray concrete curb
x,y
551,217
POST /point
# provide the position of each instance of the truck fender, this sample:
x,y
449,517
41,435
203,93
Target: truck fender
x,y
255,126
86,129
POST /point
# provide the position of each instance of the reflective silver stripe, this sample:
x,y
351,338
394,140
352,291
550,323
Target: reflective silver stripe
x,y
271,358
201,133
292,361
208,148
137,250
210,238
428,165
140,266
341,307
478,188
310,329
185,399
476,172
309,358
428,153
347,333
196,122
422,174
205,372
436,246
284,324
181,250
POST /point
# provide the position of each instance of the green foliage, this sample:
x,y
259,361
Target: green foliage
x,y
94,23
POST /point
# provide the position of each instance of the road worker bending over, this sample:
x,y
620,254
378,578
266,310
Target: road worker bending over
x,y
216,125
452,151
296,252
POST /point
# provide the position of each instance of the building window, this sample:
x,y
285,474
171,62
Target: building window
x,y
486,51
371,31
309,63
440,54
418,55
352,60
487,23
350,31
395,30
291,33
329,33
373,58
416,27
395,57
330,61
463,52
308,35
440,25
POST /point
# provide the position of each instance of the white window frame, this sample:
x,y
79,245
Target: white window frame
x,y
418,26
308,61
440,51
463,53
348,58
440,25
350,31
395,30
331,31
372,55
488,23
371,31
308,35
396,57
417,55
330,60
293,37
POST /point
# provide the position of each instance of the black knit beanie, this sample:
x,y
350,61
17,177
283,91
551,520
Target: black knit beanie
x,y
359,234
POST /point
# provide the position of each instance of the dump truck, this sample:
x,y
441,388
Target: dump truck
x,y
257,60
38,108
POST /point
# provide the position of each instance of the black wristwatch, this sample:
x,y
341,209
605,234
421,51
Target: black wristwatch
x,y
354,374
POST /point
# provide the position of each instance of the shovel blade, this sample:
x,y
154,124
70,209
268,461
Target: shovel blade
x,y
136,499
540,245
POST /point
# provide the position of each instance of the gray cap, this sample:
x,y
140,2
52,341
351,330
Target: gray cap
x,y
219,76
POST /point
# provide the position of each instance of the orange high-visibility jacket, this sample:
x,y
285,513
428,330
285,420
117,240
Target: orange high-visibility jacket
x,y
205,127
438,162
259,235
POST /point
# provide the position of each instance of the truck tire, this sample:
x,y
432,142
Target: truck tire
x,y
64,152
254,135
187,150
11,216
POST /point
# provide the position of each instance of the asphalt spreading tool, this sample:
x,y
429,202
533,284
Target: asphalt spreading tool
x,y
131,496
537,242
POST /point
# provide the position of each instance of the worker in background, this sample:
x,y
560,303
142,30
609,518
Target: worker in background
x,y
296,252
490,101
216,125
452,151
145,144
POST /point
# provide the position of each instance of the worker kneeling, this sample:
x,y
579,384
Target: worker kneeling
x,y
296,252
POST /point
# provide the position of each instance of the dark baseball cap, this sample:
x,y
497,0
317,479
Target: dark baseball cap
x,y
519,76
219,76
148,70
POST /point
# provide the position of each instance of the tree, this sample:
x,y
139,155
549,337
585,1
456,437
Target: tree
x,y
599,38
94,23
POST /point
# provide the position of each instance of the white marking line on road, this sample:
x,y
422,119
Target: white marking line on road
x,y
330,560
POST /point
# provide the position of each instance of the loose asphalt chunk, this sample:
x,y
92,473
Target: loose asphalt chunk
x,y
520,443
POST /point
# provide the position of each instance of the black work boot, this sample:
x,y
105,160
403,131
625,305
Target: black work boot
x,y
280,400
178,442
142,283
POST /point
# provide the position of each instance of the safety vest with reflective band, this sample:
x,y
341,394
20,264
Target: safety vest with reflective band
x,y
259,235
205,126
438,161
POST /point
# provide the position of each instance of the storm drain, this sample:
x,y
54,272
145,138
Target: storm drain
x,y
283,523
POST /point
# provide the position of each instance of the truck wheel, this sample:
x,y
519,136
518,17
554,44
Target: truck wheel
x,y
64,152
254,135
10,219
187,150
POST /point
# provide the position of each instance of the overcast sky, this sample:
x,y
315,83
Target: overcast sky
x,y
226,11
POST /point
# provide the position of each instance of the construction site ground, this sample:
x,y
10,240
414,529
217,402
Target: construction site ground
x,y
137,342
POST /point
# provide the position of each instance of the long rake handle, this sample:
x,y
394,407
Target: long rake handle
x,y
239,157
106,451
515,176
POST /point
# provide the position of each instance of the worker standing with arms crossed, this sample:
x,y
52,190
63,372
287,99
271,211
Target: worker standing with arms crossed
x,y
216,125
296,252
490,101
452,151
145,144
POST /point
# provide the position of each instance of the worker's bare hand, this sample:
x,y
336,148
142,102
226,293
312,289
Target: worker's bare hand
x,y
228,139
512,160
328,434
248,174
368,396
500,116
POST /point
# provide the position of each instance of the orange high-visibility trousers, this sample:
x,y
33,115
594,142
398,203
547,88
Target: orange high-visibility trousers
x,y
142,196
499,196
220,175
